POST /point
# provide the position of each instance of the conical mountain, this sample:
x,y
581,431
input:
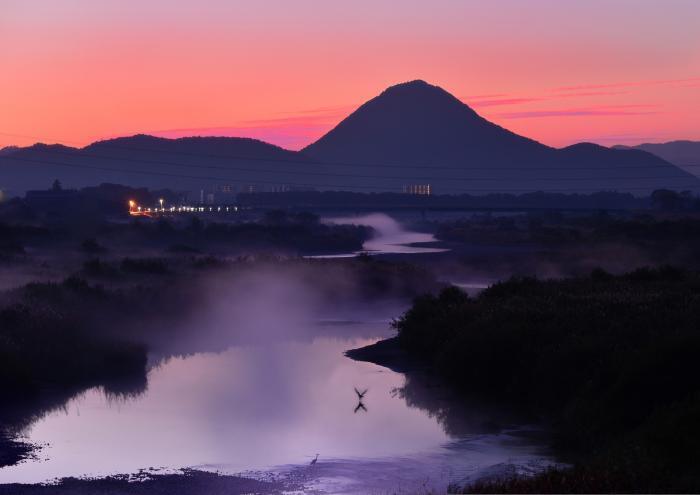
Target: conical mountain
x,y
427,136
417,123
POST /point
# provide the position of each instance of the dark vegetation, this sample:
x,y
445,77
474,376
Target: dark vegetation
x,y
554,244
12,451
94,220
91,246
14,237
95,223
191,481
37,341
301,232
57,339
555,228
610,361
499,201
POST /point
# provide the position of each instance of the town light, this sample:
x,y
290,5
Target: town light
x,y
132,204
161,204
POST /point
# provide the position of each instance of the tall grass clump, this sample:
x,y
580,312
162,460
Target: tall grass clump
x,y
612,362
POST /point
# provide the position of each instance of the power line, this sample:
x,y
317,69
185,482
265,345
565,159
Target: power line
x,y
330,174
164,174
338,186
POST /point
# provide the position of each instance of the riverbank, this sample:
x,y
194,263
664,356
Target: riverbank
x,y
387,353
186,483
609,361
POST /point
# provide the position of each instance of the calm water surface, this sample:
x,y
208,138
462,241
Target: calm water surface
x,y
270,408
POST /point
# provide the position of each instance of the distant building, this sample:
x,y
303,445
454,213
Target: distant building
x,y
418,189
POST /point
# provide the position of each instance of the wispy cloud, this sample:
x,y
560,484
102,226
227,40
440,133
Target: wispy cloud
x,y
503,101
332,111
481,97
294,120
589,93
619,110
574,92
628,84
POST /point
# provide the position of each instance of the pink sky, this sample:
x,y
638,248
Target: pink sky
x,y
608,71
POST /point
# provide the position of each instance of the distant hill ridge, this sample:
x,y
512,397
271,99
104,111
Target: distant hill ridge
x,y
411,134
683,153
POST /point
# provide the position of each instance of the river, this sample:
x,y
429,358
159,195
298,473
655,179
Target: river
x,y
261,409
390,237
268,406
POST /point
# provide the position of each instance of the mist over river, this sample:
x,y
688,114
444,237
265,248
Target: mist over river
x,y
390,237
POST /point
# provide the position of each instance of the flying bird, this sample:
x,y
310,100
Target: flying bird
x,y
360,395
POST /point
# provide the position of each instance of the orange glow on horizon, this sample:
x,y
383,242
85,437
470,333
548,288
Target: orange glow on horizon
x,y
81,71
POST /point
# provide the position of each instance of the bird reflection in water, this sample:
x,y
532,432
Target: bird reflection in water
x,y
360,396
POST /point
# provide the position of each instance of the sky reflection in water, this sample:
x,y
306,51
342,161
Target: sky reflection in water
x,y
266,406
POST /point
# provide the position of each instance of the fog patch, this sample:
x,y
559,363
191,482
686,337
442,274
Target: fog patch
x,y
390,237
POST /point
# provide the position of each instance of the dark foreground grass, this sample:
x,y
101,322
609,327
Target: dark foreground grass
x,y
191,482
580,479
41,349
611,361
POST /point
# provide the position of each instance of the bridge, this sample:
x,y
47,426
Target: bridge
x,y
136,210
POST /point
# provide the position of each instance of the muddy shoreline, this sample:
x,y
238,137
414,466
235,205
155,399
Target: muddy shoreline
x,y
189,482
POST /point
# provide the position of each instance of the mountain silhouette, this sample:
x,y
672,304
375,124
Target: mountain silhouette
x,y
418,124
411,134
185,164
684,154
